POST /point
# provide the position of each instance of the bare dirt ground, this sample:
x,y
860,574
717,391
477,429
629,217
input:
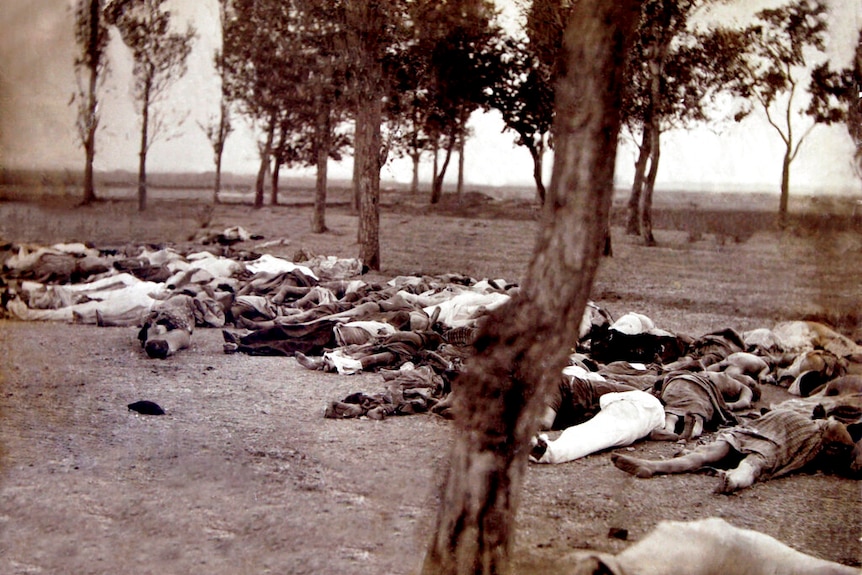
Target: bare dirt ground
x,y
244,475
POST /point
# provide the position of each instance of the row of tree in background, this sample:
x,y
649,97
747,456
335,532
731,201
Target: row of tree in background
x,y
401,78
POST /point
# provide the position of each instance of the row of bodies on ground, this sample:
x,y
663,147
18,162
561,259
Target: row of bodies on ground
x,y
628,381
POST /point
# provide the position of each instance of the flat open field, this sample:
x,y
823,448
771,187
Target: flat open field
x,y
244,475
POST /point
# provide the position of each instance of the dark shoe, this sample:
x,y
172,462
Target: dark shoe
x,y
539,449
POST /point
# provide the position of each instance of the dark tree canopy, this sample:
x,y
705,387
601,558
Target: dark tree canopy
x,y
457,38
523,93
836,97
257,72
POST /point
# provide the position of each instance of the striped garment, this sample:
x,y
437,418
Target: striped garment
x,y
785,439
462,336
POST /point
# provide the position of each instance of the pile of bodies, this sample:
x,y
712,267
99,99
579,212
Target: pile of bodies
x,y
630,380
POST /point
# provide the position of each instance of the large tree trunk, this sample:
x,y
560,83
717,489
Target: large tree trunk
x,y
142,155
318,218
367,151
523,347
367,22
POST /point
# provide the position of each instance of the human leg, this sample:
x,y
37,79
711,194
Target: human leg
x,y
620,422
692,461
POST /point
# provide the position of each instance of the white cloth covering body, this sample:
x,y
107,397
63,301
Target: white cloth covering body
x,y
624,418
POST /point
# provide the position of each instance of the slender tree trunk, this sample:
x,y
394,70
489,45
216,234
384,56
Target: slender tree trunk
x,y
437,185
89,182
265,153
318,220
217,185
93,63
649,186
414,183
784,199
218,148
656,68
142,157
537,153
461,145
644,151
435,168
90,140
521,350
273,190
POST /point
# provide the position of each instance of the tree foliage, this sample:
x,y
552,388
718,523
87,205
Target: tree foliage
x,y
256,70
457,38
159,59
523,93
676,73
782,42
409,107
285,67
836,97
91,40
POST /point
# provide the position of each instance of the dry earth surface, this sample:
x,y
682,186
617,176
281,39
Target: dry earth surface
x,y
244,475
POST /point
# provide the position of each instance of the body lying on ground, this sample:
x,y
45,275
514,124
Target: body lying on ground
x,y
780,442
624,417
705,547
169,325
695,401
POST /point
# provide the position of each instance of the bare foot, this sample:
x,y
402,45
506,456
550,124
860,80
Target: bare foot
x,y
631,465
663,435
725,485
314,363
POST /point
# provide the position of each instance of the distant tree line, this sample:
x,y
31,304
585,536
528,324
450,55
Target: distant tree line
x,y
400,78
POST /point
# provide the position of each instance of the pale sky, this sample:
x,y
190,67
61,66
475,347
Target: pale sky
x,y
37,122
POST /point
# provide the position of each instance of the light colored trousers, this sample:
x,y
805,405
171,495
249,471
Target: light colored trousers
x,y
624,418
